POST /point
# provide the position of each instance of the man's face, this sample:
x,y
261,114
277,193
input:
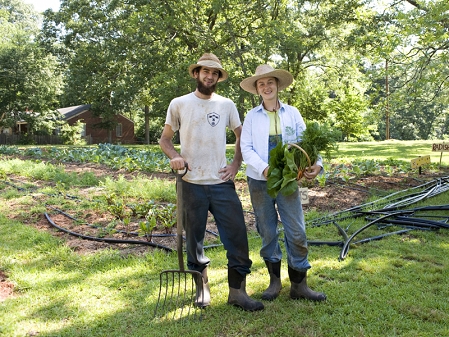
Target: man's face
x,y
206,79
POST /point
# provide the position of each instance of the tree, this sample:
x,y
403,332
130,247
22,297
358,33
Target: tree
x,y
412,37
312,99
29,78
121,54
115,51
348,109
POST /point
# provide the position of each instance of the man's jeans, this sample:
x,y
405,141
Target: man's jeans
x,y
292,218
224,204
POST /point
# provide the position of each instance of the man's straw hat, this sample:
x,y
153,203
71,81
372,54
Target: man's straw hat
x,y
265,70
211,61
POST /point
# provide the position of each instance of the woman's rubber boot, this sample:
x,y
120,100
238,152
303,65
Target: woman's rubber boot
x,y
273,290
202,298
299,288
237,292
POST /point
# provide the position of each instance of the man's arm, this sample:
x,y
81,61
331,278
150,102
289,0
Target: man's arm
x,y
229,172
166,144
237,161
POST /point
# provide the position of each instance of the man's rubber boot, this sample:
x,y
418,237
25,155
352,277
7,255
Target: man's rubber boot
x,y
237,292
202,298
299,288
273,290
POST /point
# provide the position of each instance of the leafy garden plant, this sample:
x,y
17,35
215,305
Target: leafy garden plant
x,y
288,161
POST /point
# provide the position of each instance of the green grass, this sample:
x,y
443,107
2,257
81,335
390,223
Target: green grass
x,y
395,285
397,150
391,287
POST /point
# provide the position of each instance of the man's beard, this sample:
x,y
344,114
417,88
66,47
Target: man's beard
x,y
203,89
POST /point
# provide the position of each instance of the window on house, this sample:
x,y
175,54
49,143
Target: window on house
x,y
83,131
118,130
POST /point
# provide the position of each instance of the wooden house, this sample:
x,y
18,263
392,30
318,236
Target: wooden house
x,y
122,134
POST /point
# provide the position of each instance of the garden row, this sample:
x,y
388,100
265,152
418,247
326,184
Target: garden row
x,y
151,159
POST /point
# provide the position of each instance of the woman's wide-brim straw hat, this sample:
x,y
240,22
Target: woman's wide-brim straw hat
x,y
211,61
263,71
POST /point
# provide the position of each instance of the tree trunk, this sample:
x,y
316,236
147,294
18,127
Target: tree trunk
x,y
147,125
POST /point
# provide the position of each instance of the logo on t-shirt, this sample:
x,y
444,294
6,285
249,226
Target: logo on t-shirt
x,y
213,118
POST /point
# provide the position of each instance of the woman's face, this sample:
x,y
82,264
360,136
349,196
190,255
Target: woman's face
x,y
267,87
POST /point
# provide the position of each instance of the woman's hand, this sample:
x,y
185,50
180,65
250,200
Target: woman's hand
x,y
265,172
312,171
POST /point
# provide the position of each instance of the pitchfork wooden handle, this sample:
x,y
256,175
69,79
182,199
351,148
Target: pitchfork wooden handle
x,y
179,208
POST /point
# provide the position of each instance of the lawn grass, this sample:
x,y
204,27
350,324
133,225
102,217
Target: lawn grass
x,y
390,287
391,149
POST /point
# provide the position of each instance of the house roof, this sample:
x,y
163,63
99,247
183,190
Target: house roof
x,y
72,111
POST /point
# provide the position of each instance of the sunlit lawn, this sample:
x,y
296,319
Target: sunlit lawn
x,y
398,150
395,286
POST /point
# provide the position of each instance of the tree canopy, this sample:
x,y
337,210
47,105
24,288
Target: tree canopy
x,y
124,56
29,76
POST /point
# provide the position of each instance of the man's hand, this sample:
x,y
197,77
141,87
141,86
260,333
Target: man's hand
x,y
228,172
178,163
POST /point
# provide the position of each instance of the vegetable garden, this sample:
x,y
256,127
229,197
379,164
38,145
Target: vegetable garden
x,y
115,199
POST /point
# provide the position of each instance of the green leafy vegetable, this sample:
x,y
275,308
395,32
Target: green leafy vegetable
x,y
286,160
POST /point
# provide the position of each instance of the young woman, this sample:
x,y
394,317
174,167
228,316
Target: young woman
x,y
264,126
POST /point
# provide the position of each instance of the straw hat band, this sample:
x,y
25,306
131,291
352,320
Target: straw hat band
x,y
263,71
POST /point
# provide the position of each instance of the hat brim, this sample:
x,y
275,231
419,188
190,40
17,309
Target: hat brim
x,y
283,76
210,64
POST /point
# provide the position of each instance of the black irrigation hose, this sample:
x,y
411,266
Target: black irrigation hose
x,y
438,188
433,208
425,220
378,237
15,186
341,231
122,231
345,249
331,243
417,222
92,238
116,230
327,243
394,218
107,240
391,210
431,188
412,223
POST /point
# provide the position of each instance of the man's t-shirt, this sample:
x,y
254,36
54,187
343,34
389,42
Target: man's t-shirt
x,y
202,127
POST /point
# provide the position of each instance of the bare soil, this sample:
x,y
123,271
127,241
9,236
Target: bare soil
x,y
6,287
335,196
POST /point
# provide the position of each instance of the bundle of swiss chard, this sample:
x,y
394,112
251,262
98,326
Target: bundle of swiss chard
x,y
288,162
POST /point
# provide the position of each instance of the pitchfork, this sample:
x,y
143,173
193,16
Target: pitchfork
x,y
179,288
